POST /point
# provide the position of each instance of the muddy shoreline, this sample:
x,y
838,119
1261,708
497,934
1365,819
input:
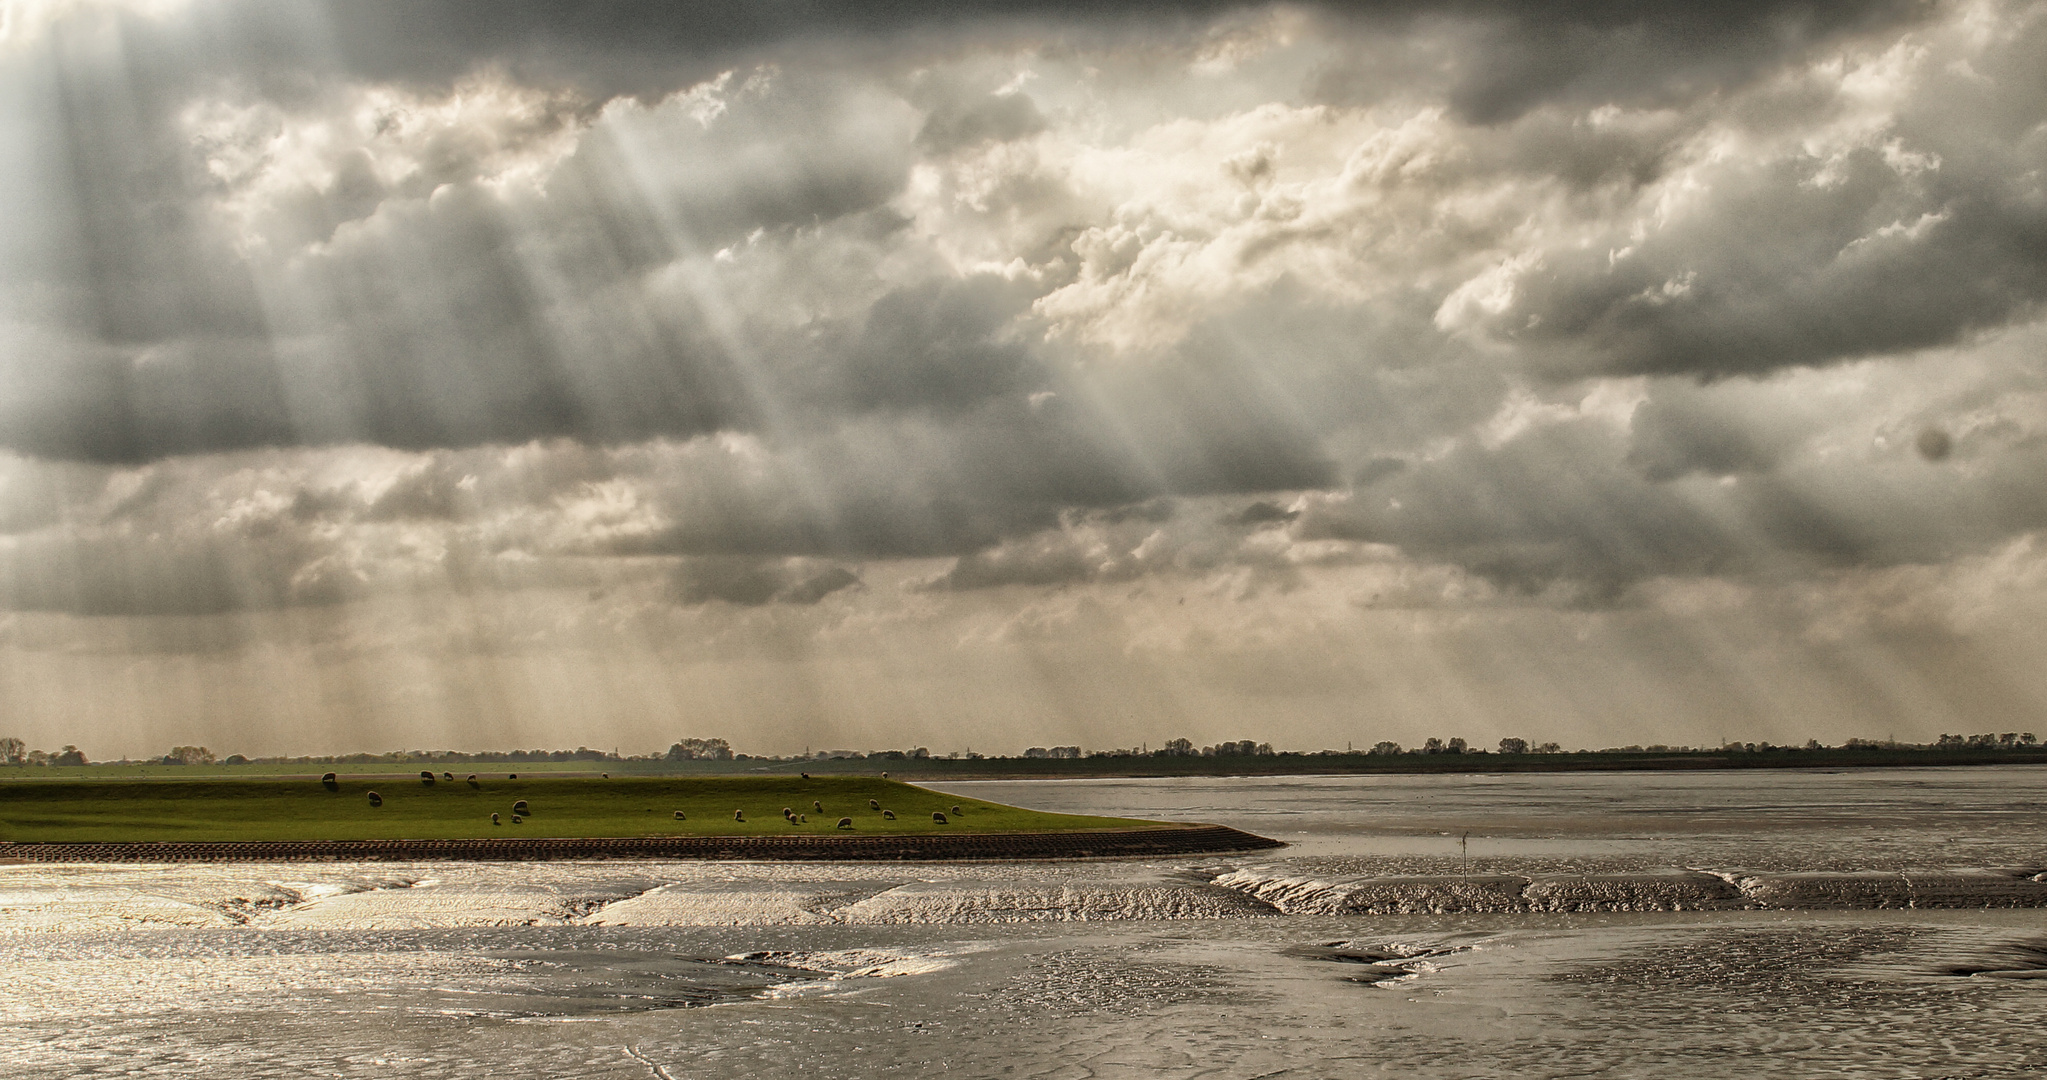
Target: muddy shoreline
x,y
1080,844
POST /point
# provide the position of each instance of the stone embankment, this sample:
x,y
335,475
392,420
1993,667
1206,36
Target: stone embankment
x,y
1095,844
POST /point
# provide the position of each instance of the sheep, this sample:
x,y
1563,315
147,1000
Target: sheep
x,y
806,776
955,811
680,816
739,815
494,819
517,819
426,778
448,776
376,799
938,818
873,804
817,806
520,807
786,812
804,818
512,776
884,774
472,781
889,815
845,823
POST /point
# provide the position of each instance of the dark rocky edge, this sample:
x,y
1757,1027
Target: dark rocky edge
x,y
989,847
1670,890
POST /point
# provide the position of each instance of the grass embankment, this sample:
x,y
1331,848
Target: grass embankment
x,y
245,810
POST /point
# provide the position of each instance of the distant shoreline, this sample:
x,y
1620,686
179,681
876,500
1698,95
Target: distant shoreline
x,y
1164,840
1103,767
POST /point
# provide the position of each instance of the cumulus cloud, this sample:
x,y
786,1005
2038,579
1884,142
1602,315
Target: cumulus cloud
x,y
812,312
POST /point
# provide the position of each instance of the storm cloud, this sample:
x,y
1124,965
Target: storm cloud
x,y
707,321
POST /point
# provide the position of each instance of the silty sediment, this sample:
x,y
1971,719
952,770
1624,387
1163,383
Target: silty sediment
x,y
1080,844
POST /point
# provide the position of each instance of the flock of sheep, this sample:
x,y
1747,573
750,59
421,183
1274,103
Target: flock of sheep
x,y
520,811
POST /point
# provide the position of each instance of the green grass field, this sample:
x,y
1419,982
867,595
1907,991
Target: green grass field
x,y
195,810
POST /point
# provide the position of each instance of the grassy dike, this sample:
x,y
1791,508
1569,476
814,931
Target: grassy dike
x,y
305,810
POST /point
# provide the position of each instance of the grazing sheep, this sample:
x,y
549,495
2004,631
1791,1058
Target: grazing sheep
x,y
937,818
494,819
376,799
605,775
806,776
426,778
845,823
739,815
884,774
472,781
955,811
873,804
818,807
448,776
513,776
519,807
889,815
804,818
680,816
787,812
517,819
327,778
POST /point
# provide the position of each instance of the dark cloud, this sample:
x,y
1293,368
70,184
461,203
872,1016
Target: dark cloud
x,y
1045,560
846,300
1934,444
1731,428
943,344
1529,50
112,575
994,118
1905,238
1555,505
1789,276
1506,59
428,494
447,313
1265,513
637,46
749,582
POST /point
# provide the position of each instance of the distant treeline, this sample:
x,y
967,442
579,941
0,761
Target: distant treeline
x,y
1172,756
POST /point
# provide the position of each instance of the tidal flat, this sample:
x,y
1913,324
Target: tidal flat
x,y
1794,924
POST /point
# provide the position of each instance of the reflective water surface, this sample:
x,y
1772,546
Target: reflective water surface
x,y
1794,924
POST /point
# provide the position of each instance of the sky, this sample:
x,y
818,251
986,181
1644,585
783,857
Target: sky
x,y
378,374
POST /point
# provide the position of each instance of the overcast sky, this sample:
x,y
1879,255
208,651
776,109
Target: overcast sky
x,y
378,374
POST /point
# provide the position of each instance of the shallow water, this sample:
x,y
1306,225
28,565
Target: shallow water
x,y
1869,924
